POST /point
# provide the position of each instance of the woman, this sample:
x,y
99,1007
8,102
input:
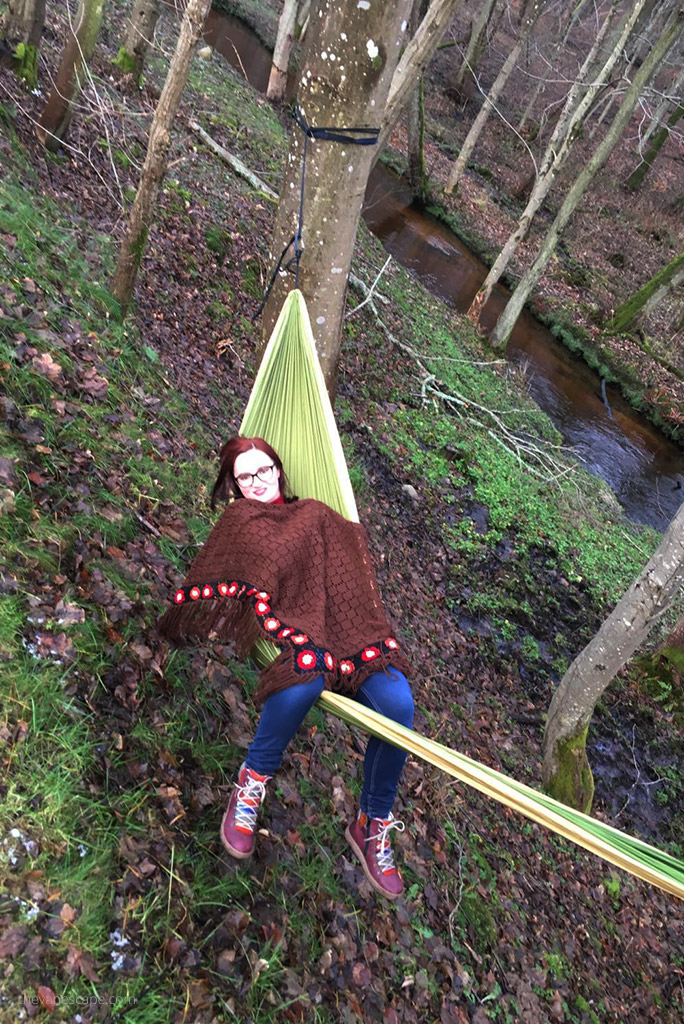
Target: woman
x,y
299,574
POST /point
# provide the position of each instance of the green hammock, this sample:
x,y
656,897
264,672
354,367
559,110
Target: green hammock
x,y
289,407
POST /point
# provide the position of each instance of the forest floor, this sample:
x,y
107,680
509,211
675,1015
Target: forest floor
x,y
118,752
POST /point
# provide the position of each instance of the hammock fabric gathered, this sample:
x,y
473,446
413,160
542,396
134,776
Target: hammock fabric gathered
x,y
298,574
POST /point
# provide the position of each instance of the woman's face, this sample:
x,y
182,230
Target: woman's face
x,y
256,476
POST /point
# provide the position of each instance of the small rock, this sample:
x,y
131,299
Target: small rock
x,y
410,490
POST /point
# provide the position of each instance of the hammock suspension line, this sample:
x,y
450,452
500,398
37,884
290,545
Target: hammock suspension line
x,y
349,136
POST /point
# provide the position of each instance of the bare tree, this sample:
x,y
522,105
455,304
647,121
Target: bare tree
x,y
560,143
82,35
506,321
277,80
639,305
22,28
138,36
456,83
566,771
530,16
140,218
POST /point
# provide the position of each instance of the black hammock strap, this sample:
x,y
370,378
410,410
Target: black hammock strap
x,y
350,136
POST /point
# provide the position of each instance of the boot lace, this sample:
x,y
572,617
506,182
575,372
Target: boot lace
x,y
250,796
383,843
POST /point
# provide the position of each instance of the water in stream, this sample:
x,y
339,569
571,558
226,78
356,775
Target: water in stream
x,y
642,467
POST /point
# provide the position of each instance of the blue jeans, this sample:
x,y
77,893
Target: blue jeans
x,y
385,692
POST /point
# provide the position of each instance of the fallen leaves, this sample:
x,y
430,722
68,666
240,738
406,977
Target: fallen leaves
x,y
47,367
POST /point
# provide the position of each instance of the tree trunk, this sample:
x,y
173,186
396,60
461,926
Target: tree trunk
x,y
140,219
277,81
476,42
415,145
351,55
642,302
56,117
566,771
636,178
138,37
478,124
22,28
416,173
506,321
413,63
559,146
672,98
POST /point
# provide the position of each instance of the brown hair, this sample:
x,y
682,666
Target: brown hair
x,y
226,485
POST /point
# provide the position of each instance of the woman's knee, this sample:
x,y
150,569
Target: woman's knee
x,y
294,700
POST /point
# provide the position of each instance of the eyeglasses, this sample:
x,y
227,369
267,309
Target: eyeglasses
x,y
265,474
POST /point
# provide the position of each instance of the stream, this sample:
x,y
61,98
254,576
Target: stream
x,y
643,467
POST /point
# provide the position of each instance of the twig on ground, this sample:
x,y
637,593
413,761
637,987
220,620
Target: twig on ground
x,y
536,454
233,161
369,291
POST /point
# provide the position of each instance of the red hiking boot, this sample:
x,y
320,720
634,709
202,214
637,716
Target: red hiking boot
x,y
239,821
370,840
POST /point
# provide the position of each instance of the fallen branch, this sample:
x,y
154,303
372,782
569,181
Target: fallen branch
x,y
234,162
536,454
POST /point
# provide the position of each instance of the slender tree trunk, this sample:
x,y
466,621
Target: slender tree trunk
x,y
636,178
417,177
506,321
414,61
671,100
559,146
277,81
138,37
478,124
476,42
22,28
140,219
351,56
566,770
54,121
642,302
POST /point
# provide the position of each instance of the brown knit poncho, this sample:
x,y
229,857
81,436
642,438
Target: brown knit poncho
x,y
298,574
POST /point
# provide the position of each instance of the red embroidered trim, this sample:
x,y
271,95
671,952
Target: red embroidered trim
x,y
309,659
